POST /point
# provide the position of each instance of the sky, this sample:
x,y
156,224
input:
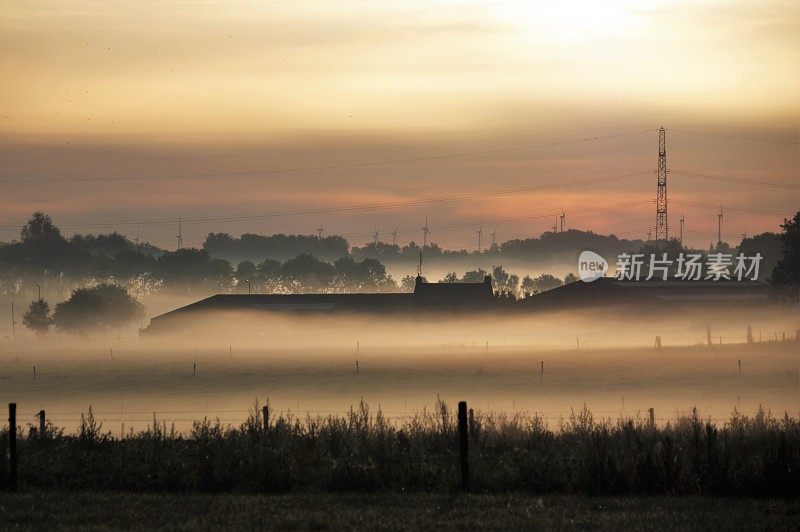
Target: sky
x,y
126,115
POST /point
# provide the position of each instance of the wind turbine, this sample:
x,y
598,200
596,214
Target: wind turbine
x,y
480,235
563,215
137,236
180,234
375,236
394,236
320,232
682,220
719,227
425,232
555,226
494,237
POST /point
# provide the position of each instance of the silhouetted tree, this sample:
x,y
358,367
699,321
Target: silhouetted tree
x,y
408,283
545,282
258,248
245,271
528,286
193,269
769,245
37,317
474,276
268,275
104,306
365,276
786,275
451,277
655,251
503,281
570,278
41,248
306,272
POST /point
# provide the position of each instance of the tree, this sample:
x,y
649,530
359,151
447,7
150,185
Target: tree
x,y
193,268
546,282
504,281
408,283
786,275
306,272
245,271
268,274
40,229
105,306
37,317
769,245
528,286
451,277
474,276
367,275
570,278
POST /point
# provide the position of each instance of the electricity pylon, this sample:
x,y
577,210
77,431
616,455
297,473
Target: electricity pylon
x,y
662,229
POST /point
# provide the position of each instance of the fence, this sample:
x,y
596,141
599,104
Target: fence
x,y
472,450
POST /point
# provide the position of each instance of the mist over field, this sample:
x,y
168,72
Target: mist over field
x,y
550,363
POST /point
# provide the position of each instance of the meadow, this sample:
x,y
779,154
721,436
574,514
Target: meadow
x,y
368,408
363,451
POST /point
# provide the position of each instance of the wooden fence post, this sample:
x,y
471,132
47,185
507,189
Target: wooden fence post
x,y
42,427
265,415
463,441
652,418
12,446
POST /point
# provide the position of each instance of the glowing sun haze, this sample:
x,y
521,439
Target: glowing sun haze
x,y
134,88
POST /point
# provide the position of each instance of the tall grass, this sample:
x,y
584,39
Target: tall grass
x,y
758,455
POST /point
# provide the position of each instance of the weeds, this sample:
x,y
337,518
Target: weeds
x,y
364,451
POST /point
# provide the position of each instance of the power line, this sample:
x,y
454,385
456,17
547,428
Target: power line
x,y
352,208
759,139
733,179
732,208
314,168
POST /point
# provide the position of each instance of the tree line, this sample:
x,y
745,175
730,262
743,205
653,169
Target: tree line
x,y
106,275
43,257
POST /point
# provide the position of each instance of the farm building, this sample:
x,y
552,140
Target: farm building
x,y
608,291
461,298
427,297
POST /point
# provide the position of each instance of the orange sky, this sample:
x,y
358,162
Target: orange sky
x,y
133,88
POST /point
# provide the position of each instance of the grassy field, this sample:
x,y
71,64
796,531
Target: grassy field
x,y
126,390
104,510
748,456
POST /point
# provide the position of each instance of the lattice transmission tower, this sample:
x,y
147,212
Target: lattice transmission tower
x,y
662,229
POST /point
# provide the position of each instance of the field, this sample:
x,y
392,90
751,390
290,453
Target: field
x,y
555,412
50,510
127,382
